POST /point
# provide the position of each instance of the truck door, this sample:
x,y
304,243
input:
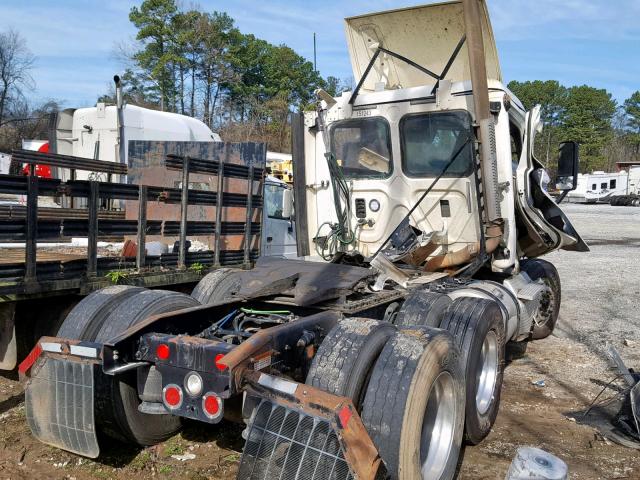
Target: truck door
x,y
549,228
278,234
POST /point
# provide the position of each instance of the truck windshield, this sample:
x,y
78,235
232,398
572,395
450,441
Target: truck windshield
x,y
429,140
362,147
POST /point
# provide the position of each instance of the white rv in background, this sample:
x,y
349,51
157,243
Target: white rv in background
x,y
599,187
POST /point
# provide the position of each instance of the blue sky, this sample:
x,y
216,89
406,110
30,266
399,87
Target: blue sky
x,y
596,42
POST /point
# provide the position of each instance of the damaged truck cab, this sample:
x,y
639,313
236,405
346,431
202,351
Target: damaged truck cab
x,y
420,211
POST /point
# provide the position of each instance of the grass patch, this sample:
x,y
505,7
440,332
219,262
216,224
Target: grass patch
x,y
165,469
173,447
141,461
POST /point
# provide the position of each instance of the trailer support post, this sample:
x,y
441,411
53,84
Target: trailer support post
x,y
219,199
32,228
247,226
184,204
92,237
142,228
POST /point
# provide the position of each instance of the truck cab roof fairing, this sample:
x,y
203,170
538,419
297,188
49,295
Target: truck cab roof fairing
x,y
427,35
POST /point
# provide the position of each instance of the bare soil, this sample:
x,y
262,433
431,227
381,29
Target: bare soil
x,y
600,307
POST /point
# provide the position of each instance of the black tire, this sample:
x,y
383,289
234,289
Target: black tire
x,y
423,308
547,316
477,327
218,286
118,412
87,317
416,377
100,317
343,363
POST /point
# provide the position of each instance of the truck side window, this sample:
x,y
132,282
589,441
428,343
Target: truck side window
x,y
362,147
430,140
612,184
273,201
516,145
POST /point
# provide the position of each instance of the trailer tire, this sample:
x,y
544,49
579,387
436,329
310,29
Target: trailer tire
x,y
547,315
477,327
344,360
117,400
416,397
423,308
217,286
87,317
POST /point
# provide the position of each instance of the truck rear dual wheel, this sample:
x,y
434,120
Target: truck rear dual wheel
x,y
344,360
102,316
423,308
477,327
217,286
413,408
547,316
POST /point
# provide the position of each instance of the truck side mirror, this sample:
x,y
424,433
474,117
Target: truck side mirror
x,y
567,176
287,203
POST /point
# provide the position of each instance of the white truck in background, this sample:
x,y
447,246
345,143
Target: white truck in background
x,y
101,132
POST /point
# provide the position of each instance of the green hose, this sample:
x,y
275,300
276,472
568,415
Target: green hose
x,y
265,312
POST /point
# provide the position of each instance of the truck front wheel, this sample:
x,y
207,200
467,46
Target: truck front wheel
x,y
547,315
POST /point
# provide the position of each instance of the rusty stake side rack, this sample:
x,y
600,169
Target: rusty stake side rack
x,y
97,223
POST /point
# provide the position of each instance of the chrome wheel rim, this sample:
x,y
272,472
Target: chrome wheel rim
x,y
487,374
438,427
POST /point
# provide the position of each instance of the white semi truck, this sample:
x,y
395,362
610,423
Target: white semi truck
x,y
421,214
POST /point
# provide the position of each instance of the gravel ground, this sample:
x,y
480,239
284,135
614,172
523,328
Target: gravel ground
x,y
600,306
601,289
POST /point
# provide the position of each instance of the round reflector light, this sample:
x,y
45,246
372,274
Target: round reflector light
x,y
162,351
374,205
172,395
193,384
220,366
211,405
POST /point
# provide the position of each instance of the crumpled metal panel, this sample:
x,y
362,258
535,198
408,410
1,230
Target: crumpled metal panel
x,y
406,31
289,445
305,283
59,405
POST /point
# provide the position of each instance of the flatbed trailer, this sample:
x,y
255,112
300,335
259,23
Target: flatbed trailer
x,y
49,282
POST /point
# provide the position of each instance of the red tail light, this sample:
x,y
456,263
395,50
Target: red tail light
x,y
162,351
220,366
172,395
211,405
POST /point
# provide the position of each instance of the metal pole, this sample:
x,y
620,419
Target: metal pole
x,y
219,200
248,223
32,228
92,237
141,253
315,66
479,84
184,204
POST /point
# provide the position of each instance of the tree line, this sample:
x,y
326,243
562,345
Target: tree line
x,y
607,132
200,64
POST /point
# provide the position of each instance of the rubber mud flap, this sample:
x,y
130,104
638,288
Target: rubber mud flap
x,y
59,405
